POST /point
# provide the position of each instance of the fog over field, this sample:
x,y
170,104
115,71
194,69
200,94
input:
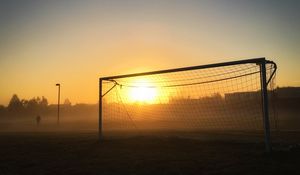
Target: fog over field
x,y
224,113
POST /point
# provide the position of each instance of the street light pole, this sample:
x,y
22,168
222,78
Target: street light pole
x,y
58,99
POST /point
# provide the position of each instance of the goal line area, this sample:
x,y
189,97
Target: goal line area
x,y
230,97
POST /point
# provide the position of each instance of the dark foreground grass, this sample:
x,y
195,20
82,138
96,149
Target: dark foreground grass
x,y
81,153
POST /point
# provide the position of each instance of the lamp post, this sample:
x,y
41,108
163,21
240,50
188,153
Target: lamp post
x,y
58,99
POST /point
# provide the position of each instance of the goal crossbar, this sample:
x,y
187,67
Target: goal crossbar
x,y
230,63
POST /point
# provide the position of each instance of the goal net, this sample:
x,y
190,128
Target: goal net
x,y
223,97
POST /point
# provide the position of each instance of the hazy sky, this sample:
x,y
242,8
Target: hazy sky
x,y
76,42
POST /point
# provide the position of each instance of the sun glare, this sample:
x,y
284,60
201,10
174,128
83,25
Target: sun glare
x,y
143,91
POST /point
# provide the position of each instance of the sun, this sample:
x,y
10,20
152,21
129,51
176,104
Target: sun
x,y
142,91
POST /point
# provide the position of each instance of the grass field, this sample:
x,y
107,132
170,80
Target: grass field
x,y
81,153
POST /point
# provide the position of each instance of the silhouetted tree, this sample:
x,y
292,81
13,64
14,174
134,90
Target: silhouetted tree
x,y
33,105
38,100
2,110
15,105
217,96
44,102
67,102
43,105
24,103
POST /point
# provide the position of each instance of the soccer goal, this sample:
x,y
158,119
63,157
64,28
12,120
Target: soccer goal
x,y
221,97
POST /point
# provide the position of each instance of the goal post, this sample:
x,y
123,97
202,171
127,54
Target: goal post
x,y
265,106
221,96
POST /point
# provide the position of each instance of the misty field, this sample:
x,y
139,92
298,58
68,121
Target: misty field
x,y
82,153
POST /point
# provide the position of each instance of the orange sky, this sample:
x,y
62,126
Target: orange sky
x,y
75,43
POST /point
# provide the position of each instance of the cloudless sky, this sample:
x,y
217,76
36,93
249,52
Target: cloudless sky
x,y
76,42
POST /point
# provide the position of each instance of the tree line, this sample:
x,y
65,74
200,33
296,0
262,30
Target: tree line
x,y
18,106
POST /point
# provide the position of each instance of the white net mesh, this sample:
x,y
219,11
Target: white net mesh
x,y
224,98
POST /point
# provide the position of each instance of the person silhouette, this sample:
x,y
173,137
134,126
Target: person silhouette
x,y
38,119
